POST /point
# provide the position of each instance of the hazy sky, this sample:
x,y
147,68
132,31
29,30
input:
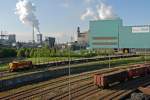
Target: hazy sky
x,y
60,18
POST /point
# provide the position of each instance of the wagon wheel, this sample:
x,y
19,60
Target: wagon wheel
x,y
11,70
105,86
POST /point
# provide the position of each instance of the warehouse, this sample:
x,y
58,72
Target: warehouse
x,y
112,34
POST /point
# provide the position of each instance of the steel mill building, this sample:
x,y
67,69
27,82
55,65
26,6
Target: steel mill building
x,y
112,34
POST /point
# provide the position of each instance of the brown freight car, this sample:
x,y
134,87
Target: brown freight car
x,y
15,65
104,80
138,71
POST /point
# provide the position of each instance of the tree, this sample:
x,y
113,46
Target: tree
x,y
21,53
27,53
7,52
32,53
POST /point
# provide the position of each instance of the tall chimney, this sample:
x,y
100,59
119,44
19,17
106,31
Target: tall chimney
x,y
33,35
78,31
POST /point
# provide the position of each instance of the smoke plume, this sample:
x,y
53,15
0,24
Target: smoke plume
x,y
103,12
25,10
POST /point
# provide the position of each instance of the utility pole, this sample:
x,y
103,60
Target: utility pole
x,y
33,34
1,34
145,56
69,47
118,38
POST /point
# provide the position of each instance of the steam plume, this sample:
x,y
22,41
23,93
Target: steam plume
x,y
25,9
103,11
88,13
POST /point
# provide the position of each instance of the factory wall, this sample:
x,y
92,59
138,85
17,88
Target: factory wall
x,y
112,34
130,39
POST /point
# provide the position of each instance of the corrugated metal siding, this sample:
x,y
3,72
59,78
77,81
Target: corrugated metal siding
x,y
127,39
105,33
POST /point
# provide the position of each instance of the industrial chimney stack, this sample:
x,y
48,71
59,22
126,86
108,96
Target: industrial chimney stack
x,y
78,31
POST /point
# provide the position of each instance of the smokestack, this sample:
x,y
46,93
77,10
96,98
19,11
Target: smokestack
x,y
25,9
33,35
78,31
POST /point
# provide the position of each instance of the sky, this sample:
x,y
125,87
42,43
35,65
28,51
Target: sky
x,y
60,18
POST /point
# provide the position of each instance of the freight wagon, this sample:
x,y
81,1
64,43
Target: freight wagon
x,y
108,79
105,80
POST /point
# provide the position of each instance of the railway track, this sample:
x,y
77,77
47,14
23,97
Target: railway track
x,y
76,81
81,87
64,88
4,74
128,88
116,92
26,93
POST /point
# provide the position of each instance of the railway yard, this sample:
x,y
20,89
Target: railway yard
x,y
81,87
74,50
80,84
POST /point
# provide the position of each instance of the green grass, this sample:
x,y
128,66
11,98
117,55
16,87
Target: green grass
x,y
53,59
3,67
48,59
115,62
90,66
125,61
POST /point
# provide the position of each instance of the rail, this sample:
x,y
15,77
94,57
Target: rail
x,y
81,87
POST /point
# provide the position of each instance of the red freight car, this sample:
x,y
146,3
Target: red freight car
x,y
138,71
104,80
148,68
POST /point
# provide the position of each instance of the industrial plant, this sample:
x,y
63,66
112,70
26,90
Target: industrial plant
x,y
112,34
6,39
66,59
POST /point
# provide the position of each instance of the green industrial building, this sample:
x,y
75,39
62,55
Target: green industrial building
x,y
112,34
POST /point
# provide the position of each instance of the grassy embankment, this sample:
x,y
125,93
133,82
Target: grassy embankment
x,y
49,59
121,61
4,67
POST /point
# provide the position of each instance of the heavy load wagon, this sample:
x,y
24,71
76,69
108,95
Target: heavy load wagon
x,y
107,79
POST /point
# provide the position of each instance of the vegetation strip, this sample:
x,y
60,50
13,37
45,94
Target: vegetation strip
x,y
123,61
